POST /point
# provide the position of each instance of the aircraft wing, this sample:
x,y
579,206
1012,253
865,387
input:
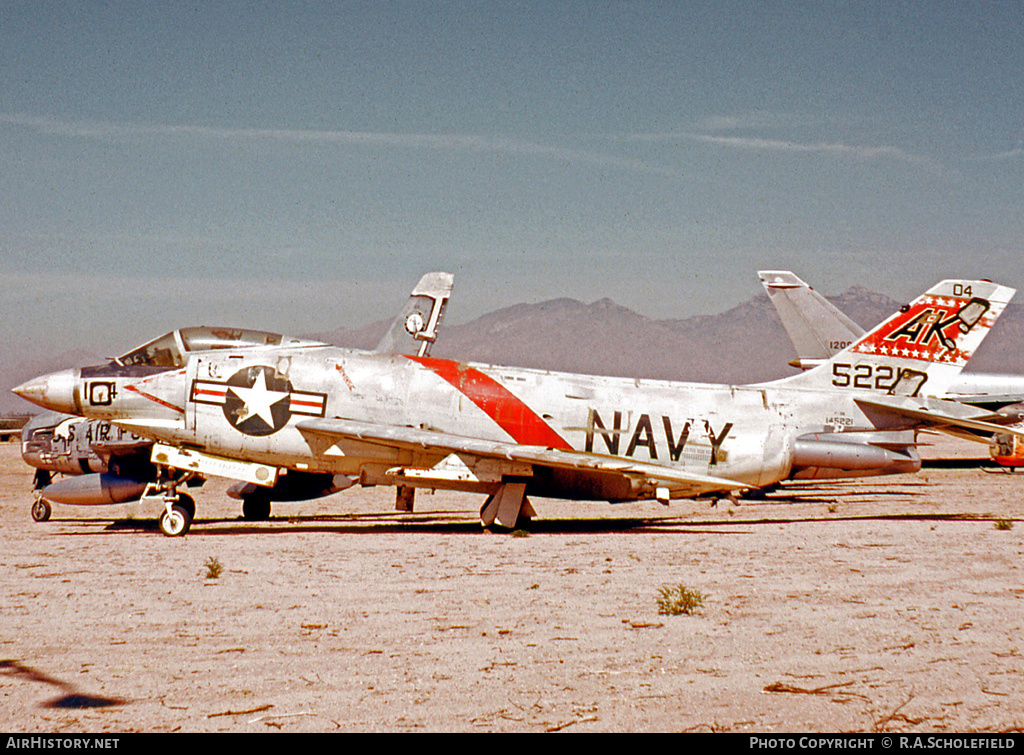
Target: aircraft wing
x,y
946,416
680,482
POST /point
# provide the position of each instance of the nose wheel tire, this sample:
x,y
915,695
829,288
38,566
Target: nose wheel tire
x,y
41,510
176,521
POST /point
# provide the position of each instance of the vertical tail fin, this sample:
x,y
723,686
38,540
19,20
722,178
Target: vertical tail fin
x,y
815,326
414,331
920,350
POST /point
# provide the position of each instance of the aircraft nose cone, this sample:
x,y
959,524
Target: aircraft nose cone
x,y
55,391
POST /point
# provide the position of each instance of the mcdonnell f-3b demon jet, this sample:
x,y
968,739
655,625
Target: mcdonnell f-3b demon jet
x,y
409,420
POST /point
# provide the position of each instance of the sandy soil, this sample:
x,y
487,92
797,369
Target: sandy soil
x,y
885,604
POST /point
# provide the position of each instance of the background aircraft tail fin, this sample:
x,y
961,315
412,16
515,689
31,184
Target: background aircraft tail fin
x,y
414,331
815,326
920,350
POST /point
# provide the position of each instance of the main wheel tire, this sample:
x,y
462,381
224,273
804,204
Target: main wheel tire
x,y
41,510
176,522
256,508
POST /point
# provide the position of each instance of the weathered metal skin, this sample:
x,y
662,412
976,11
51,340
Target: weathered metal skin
x,y
642,420
411,420
819,457
108,465
751,430
66,444
646,420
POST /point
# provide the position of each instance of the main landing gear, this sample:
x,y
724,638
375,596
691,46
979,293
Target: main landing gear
x,y
256,507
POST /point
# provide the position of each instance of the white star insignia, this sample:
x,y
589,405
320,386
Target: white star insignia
x,y
258,400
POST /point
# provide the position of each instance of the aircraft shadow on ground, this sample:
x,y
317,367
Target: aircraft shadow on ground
x,y
71,699
837,491
464,522
959,464
434,522
447,525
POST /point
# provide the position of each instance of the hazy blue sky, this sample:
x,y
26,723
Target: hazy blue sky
x,y
296,166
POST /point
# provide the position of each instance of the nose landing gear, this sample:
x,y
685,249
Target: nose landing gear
x,y
41,510
179,508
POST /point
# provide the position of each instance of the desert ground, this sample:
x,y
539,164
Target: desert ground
x,y
891,604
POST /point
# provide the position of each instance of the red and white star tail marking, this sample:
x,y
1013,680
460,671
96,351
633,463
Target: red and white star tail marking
x,y
936,328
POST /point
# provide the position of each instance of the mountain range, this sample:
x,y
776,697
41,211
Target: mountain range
x,y
745,344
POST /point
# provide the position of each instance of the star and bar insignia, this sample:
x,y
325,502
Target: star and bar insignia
x,y
257,400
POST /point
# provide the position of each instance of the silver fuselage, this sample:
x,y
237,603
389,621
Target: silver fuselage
x,y
741,433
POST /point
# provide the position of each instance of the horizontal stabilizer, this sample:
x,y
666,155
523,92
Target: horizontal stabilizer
x,y
942,415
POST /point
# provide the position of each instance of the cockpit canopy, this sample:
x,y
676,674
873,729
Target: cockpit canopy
x,y
172,349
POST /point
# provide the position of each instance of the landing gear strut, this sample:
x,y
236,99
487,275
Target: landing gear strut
x,y
404,497
40,506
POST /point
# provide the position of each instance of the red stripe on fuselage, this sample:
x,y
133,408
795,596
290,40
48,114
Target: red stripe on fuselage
x,y
215,392
153,398
511,414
